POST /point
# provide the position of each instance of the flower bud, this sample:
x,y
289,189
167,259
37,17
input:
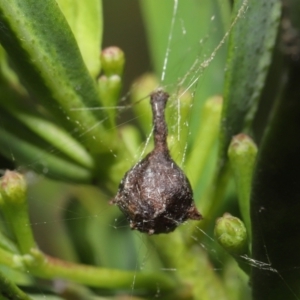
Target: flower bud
x,y
140,96
206,139
109,88
14,206
13,187
231,234
112,59
242,155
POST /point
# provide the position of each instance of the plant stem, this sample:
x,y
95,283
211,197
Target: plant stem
x,y
7,244
45,266
192,265
11,260
13,202
211,202
242,154
101,277
8,290
206,138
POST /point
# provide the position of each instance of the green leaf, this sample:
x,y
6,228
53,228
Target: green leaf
x,y
54,135
29,148
276,189
39,41
41,160
206,138
8,290
182,43
251,46
275,203
7,75
7,244
85,20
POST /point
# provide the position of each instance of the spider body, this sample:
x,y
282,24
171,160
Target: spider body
x,y
155,195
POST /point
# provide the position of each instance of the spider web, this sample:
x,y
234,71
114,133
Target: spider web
x,y
50,213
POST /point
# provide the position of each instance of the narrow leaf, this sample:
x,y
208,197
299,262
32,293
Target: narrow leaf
x,y
55,135
275,204
8,290
41,160
85,20
251,46
39,41
182,37
275,191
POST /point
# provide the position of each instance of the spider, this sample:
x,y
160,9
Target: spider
x,y
155,195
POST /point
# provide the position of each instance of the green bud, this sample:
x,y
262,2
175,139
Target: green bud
x,y
109,89
177,116
241,146
112,59
176,148
131,138
13,190
213,104
242,155
186,100
231,234
206,138
140,98
13,187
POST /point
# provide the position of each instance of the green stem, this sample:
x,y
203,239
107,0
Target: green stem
x,y
7,244
9,291
11,260
213,196
206,137
21,227
48,267
242,154
14,204
101,277
199,280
